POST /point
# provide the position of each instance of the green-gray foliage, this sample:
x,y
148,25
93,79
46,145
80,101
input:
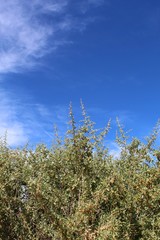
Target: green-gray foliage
x,y
76,190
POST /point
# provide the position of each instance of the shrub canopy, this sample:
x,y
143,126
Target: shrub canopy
x,y
77,190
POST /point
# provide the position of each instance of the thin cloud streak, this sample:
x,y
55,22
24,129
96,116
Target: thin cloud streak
x,y
9,123
28,31
26,35
24,122
22,37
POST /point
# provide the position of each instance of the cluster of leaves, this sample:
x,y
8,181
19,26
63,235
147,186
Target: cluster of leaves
x,y
76,190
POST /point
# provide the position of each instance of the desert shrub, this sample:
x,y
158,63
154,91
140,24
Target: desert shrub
x,y
77,190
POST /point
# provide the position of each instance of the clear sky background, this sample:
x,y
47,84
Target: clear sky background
x,y
54,52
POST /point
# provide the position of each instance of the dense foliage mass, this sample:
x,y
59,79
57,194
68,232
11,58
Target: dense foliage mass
x,y
77,190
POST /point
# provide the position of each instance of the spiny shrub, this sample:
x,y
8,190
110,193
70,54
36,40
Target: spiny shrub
x,y
77,190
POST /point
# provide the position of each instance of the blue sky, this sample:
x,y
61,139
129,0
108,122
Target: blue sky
x,y
105,52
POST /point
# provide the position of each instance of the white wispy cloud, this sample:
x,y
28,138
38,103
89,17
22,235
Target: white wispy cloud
x,y
30,29
22,37
9,123
24,122
85,5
